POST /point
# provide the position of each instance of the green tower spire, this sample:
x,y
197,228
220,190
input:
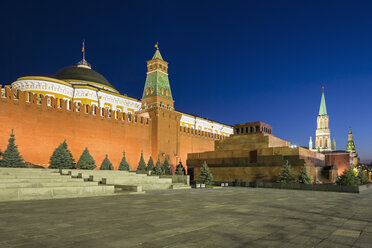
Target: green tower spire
x,y
157,82
157,55
323,108
350,147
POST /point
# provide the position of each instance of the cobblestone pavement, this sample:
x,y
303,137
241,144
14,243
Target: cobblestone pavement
x,y
228,217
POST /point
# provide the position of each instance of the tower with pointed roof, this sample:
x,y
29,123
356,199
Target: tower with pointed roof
x,y
323,132
350,147
157,104
157,91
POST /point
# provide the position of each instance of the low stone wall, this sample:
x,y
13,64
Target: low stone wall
x,y
316,187
251,172
178,178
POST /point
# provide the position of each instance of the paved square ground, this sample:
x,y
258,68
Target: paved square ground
x,y
228,217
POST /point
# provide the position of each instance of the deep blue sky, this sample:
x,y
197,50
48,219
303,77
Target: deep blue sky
x,y
231,61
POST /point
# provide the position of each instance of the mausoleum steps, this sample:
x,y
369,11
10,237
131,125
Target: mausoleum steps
x,y
146,180
35,184
180,186
32,193
29,176
41,180
114,173
29,184
45,184
128,179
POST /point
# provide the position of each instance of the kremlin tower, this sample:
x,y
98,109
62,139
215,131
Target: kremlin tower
x,y
350,147
157,91
323,133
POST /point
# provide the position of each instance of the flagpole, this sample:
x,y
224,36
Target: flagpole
x,y
83,50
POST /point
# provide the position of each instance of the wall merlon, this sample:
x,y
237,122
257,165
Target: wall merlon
x,y
55,104
195,132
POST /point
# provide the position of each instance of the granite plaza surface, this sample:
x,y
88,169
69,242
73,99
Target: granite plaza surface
x,y
227,217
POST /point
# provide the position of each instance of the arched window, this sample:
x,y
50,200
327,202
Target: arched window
x,y
167,92
151,90
320,143
162,91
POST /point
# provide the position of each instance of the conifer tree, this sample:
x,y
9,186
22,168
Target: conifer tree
x,y
362,177
124,165
150,165
86,161
347,178
286,175
205,175
180,170
62,158
11,156
106,164
141,165
167,168
159,170
304,176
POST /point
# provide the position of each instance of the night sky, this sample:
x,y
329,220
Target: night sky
x,y
231,62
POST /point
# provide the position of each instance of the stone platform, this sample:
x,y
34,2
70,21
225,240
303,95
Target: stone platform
x,y
33,184
225,217
120,179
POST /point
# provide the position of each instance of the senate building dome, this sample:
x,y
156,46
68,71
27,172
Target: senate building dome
x,y
82,73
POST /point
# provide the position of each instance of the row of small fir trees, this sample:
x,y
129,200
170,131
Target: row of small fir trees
x,y
286,175
62,159
347,178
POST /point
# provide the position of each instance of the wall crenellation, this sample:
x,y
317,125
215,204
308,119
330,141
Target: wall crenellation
x,y
195,132
18,97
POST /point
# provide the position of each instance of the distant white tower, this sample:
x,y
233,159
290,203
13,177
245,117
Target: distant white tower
x,y
310,144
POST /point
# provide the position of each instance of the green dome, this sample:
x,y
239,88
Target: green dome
x,y
83,73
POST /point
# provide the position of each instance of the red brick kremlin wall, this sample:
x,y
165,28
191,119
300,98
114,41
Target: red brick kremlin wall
x,y
339,159
192,141
39,128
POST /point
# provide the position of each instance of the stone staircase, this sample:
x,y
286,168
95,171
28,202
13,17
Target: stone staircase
x,y
127,181
180,186
35,184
